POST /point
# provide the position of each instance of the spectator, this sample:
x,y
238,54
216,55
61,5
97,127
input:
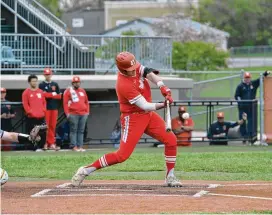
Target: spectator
x,y
7,112
218,131
35,107
182,126
52,94
76,108
116,134
247,90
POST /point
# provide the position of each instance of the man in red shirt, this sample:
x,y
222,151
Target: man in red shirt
x,y
138,116
76,107
183,127
35,107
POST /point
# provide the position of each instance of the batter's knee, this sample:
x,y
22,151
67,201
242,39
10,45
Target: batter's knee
x,y
170,140
121,157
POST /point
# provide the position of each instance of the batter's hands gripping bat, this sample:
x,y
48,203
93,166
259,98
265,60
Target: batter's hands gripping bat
x,y
168,117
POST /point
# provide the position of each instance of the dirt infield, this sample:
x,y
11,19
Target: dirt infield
x,y
58,197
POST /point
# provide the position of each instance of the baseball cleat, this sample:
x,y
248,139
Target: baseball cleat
x,y
79,177
172,181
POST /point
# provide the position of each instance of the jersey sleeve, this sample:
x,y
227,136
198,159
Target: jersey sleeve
x,y
256,83
231,124
148,70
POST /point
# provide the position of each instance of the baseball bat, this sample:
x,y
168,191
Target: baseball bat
x,y
168,117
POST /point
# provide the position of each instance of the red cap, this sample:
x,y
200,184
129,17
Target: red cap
x,y
47,71
247,75
75,79
3,90
220,115
126,61
182,109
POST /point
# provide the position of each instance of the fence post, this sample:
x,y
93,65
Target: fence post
x,y
15,18
55,51
21,52
242,74
72,59
171,52
264,58
262,142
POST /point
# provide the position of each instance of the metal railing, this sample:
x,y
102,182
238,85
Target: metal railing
x,y
46,13
33,52
27,8
102,121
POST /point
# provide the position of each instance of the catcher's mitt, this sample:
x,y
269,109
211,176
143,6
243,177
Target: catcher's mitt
x,y
34,134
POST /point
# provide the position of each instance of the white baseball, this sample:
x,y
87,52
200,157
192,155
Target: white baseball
x,y
185,116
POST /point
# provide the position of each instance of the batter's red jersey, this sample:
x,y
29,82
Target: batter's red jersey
x,y
129,89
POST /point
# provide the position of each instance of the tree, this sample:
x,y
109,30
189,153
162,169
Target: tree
x,y
52,6
198,56
180,28
247,21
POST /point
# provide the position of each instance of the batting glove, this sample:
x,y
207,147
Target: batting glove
x,y
169,98
165,91
266,73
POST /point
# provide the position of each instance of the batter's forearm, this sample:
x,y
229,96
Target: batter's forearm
x,y
148,106
153,78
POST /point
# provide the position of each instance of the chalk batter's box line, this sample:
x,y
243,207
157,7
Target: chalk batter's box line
x,y
101,195
201,193
65,186
239,196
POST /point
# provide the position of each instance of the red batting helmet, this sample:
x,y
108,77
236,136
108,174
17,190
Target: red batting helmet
x,y
47,71
125,61
75,79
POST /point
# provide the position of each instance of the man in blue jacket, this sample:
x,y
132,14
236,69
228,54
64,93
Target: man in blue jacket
x,y
247,90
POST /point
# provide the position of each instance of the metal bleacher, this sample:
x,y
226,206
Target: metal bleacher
x,y
49,42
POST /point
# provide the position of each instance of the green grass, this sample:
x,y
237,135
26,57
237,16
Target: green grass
x,y
206,163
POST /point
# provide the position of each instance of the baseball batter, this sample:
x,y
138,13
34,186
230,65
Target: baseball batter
x,y
138,117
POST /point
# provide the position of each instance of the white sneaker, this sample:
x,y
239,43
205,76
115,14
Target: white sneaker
x,y
172,181
79,177
39,150
82,150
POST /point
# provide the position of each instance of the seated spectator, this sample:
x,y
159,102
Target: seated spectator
x,y
7,112
218,131
182,126
116,134
76,108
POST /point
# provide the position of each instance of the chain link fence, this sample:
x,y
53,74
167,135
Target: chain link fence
x,y
250,56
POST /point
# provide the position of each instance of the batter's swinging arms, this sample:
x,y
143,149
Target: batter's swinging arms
x,y
138,117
